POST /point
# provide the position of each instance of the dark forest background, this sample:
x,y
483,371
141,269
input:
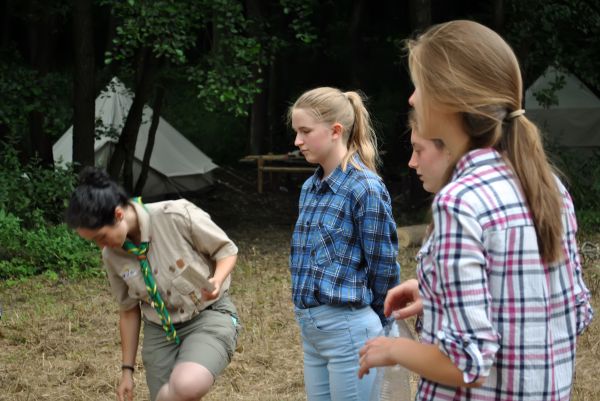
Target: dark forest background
x,y
223,73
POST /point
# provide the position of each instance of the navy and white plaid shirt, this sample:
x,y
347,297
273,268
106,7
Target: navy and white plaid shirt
x,y
489,302
344,245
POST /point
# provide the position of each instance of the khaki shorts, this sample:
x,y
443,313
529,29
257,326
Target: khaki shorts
x,y
208,339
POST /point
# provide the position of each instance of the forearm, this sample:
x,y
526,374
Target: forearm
x,y
224,267
429,362
129,327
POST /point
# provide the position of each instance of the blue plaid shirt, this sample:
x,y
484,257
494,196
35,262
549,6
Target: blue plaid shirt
x,y
345,244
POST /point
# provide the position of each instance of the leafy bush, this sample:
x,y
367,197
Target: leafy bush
x,y
32,238
43,249
29,189
582,170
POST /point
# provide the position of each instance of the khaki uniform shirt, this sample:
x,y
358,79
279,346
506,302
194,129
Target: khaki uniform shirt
x,y
182,237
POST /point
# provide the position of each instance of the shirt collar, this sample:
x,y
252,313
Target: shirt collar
x,y
337,177
475,158
143,221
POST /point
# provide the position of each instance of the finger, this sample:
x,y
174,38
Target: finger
x,y
396,298
410,310
363,370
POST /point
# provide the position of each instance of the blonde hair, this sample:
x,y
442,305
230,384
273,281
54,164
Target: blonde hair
x,y
330,105
469,69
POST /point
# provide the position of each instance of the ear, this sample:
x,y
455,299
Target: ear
x,y
119,214
337,129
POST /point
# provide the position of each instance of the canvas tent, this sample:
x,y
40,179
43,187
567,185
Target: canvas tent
x,y
176,165
575,121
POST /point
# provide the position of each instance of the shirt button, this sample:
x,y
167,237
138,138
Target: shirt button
x,y
171,269
155,272
182,311
168,293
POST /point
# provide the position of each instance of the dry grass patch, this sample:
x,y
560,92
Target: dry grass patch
x,y
59,340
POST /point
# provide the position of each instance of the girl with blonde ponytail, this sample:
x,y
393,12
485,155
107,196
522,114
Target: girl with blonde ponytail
x,y
344,245
500,292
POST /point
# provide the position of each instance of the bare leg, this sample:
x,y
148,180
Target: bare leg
x,y
189,381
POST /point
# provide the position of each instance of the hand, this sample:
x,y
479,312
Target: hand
x,y
208,296
403,300
377,351
125,389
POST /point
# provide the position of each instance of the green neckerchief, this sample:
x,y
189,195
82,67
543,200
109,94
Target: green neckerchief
x,y
157,303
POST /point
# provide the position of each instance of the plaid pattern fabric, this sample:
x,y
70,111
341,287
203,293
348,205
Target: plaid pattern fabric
x,y
344,244
489,302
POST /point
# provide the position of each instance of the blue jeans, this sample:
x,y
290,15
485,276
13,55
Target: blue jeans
x,y
332,336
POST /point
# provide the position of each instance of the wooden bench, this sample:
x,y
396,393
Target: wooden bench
x,y
261,166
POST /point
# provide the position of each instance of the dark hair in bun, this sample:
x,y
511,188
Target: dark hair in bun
x,y
92,204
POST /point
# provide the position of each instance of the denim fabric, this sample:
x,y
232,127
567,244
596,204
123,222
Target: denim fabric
x,y
332,336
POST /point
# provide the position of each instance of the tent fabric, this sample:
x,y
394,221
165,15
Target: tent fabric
x,y
176,165
575,121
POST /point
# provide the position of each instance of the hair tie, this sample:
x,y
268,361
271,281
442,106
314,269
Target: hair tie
x,y
515,114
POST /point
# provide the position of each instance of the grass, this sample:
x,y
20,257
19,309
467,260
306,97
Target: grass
x,y
59,339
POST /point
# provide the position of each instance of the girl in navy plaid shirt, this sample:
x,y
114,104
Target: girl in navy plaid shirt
x,y
500,285
344,245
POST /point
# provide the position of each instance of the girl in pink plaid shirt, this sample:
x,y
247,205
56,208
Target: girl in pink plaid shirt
x,y
500,289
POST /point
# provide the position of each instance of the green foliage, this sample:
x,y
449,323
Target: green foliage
x,y
301,12
167,27
582,171
556,32
31,189
223,70
548,97
226,78
51,250
32,200
25,91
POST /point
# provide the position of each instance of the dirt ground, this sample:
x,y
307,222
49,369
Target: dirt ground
x,y
59,339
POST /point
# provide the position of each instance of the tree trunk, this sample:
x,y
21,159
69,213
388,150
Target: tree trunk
x,y
354,38
40,46
258,117
498,16
259,110
5,23
83,79
41,146
156,109
125,148
420,14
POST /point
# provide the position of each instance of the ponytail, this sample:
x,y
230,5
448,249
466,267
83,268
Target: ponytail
x,y
469,69
522,146
362,139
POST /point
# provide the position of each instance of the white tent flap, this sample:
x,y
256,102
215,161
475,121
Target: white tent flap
x,y
575,121
176,164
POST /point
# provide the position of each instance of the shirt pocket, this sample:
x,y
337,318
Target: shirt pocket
x,y
325,245
188,293
134,279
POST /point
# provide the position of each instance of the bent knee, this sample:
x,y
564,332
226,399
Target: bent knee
x,y
190,381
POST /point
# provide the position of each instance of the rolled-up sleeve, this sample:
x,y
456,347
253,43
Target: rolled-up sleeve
x,y
467,335
208,238
118,287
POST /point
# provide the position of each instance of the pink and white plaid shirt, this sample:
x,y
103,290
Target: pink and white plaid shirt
x,y
489,301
